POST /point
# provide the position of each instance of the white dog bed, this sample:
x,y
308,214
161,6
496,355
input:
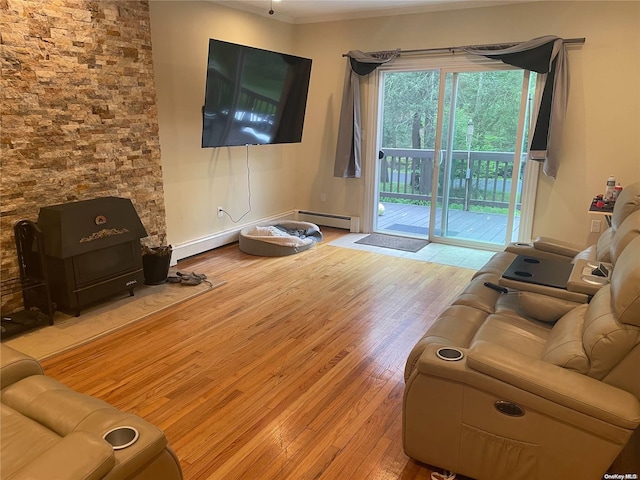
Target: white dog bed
x,y
276,239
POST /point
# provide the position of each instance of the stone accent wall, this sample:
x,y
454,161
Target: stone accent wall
x,y
78,113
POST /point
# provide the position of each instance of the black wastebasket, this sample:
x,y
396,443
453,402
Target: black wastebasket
x,y
155,264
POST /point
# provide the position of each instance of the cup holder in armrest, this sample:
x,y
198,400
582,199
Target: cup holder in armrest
x,y
582,279
588,276
523,274
449,354
593,280
121,437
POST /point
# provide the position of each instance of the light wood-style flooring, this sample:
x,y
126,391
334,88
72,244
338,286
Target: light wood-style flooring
x,y
292,370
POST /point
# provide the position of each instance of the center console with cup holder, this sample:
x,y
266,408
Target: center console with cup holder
x,y
545,276
540,271
574,281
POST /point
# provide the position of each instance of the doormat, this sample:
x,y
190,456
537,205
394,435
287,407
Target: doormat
x,y
393,242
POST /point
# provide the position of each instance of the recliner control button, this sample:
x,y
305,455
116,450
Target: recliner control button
x,y
509,408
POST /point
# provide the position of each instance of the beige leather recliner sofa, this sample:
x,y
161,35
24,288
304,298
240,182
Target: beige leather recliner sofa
x,y
543,389
580,287
49,431
545,247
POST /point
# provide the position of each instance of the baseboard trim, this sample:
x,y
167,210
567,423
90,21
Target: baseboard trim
x,y
330,220
219,239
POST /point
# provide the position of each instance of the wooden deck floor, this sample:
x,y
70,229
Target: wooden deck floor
x,y
413,220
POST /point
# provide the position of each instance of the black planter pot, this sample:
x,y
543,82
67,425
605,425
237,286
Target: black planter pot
x,y
155,268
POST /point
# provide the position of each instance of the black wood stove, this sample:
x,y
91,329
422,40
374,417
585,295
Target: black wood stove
x,y
92,250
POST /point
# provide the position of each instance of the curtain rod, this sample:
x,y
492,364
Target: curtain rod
x,y
453,49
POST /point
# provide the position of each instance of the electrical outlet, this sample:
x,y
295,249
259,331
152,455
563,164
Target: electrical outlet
x,y
595,226
220,212
323,197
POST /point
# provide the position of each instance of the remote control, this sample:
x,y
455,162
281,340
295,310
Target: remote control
x,y
495,287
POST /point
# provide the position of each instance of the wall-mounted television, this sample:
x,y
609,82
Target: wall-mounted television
x,y
253,96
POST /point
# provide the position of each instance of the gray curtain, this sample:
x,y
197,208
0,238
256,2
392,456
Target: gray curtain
x,y
348,152
544,55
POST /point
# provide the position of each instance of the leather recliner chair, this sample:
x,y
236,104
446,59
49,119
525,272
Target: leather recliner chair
x,y
580,287
51,431
545,247
528,399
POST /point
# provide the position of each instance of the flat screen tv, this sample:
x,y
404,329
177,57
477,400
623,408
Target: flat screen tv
x,y
253,96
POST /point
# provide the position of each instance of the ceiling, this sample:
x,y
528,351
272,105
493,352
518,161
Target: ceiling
x,y
311,11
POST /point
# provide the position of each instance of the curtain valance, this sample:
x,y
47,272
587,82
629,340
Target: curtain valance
x,y
544,55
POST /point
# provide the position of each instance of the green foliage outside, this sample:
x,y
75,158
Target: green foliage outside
x,y
491,100
488,99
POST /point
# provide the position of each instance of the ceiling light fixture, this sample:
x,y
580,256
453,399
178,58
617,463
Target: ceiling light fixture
x,y
271,12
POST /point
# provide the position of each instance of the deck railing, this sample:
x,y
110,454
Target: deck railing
x,y
407,174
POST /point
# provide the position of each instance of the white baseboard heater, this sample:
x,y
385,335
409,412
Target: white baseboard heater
x,y
330,220
218,239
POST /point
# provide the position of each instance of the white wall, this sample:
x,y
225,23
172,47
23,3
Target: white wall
x,y
602,130
198,180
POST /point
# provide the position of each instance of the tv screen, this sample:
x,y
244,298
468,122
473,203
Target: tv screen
x,y
253,96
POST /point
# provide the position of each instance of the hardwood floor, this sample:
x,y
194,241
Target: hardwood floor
x,y
292,370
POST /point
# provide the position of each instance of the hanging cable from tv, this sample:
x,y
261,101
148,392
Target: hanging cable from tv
x,y
248,188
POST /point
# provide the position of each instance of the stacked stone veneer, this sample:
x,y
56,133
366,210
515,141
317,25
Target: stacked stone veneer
x,y
79,116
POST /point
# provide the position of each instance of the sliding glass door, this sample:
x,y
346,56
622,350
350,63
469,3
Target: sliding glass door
x,y
451,153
